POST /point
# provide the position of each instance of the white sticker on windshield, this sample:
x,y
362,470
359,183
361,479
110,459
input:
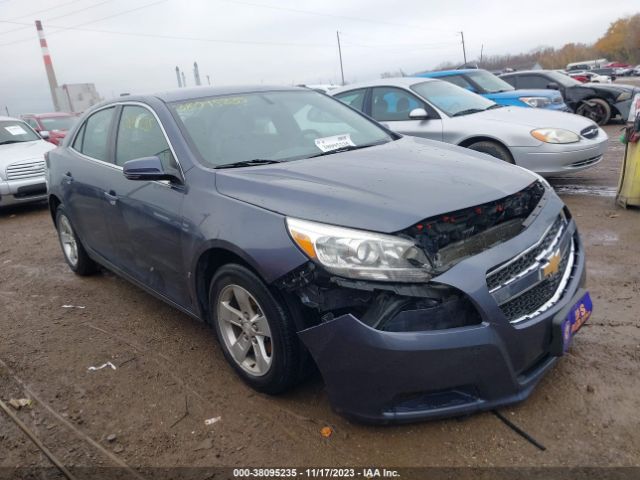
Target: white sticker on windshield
x,y
15,130
326,144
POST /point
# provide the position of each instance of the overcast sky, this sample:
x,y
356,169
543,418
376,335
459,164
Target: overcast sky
x,y
268,41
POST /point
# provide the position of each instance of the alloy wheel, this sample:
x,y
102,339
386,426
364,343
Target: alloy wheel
x,y
68,240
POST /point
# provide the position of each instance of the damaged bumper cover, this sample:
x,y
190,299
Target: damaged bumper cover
x,y
379,376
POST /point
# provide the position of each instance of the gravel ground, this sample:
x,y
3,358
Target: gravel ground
x,y
171,375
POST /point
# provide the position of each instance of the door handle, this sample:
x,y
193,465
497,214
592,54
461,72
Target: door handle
x,y
67,177
111,197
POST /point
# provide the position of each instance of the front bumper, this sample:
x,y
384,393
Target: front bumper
x,y
14,192
555,159
383,377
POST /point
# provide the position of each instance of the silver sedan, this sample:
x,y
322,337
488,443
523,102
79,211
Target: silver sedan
x,y
546,142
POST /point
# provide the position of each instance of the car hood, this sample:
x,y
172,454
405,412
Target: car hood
x,y
533,118
615,88
17,152
384,188
511,94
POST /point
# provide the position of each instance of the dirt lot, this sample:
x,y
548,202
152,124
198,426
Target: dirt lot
x,y
171,375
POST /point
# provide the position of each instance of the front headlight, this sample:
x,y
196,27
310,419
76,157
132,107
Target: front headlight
x,y
623,96
536,102
360,254
555,135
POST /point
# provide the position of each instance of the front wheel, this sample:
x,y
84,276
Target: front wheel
x,y
255,330
595,109
492,148
74,253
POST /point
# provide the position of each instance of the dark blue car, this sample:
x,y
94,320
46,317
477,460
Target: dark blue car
x,y
494,88
423,279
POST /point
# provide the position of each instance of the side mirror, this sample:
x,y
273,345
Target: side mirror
x,y
146,168
44,134
553,86
418,114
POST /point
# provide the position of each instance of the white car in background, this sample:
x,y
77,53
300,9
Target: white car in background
x,y
22,165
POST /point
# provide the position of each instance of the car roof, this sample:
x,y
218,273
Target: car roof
x,y
48,115
446,73
523,71
4,119
385,82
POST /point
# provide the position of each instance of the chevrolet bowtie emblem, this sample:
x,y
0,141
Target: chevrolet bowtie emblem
x,y
552,266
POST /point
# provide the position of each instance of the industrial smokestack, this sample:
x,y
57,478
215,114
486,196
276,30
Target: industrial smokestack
x,y
51,75
184,80
178,76
196,73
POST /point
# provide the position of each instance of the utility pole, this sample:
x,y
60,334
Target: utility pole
x,y
7,110
196,73
179,78
208,79
340,54
464,51
184,80
481,51
51,74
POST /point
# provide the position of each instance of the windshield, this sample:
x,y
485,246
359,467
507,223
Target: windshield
x,y
13,131
489,82
57,123
562,79
274,126
451,99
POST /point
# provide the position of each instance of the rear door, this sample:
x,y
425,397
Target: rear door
x,y
146,216
392,105
87,174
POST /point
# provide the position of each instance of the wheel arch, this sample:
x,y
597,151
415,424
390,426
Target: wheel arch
x,y
54,203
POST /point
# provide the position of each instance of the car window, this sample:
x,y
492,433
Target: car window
x,y
393,104
511,80
32,123
96,134
354,98
58,123
451,99
458,80
273,125
16,131
77,142
532,81
140,135
488,82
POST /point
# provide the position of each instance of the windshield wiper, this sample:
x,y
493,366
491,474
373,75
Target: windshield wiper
x,y
347,149
248,163
494,106
468,111
7,142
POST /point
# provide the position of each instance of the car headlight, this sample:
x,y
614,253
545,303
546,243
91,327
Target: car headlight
x,y
623,96
360,254
555,135
536,102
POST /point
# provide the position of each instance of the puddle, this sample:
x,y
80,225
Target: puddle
x,y
594,191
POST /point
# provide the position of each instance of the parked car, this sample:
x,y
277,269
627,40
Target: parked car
x,y
51,126
21,163
598,102
609,72
588,64
586,76
424,280
492,87
548,143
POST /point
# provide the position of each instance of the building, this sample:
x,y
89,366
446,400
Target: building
x,y
76,97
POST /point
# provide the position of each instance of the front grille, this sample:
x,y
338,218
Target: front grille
x,y
534,299
514,268
29,169
584,163
590,132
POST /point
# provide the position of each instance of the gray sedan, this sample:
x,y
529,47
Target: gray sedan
x,y
548,143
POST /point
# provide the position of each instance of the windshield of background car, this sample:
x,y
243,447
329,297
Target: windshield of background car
x,y
280,125
489,82
451,99
562,79
58,123
16,132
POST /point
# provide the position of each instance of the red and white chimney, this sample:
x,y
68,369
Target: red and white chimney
x,y
51,75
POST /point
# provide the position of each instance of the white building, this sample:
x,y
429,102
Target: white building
x,y
77,97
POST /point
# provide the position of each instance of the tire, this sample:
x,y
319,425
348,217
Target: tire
x,y
596,109
269,356
492,148
74,253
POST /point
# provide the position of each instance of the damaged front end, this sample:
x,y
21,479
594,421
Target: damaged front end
x,y
373,337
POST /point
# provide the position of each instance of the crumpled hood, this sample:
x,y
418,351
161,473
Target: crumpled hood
x,y
513,94
384,188
615,88
17,152
534,118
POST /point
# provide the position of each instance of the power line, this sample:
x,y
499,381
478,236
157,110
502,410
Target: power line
x,y
59,16
45,10
76,27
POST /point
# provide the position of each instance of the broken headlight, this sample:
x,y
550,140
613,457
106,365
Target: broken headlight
x,y
360,254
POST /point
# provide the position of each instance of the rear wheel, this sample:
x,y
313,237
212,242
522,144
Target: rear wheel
x,y
255,330
492,148
74,253
595,109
